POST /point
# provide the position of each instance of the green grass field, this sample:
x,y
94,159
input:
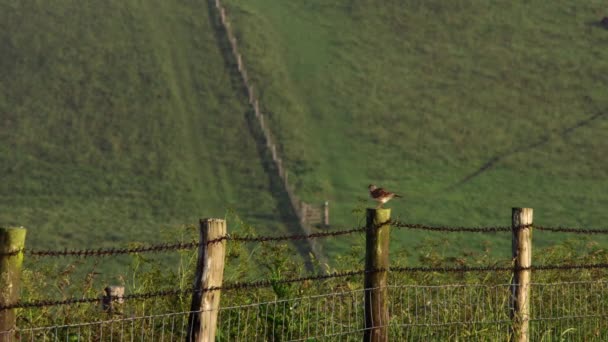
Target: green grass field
x,y
468,108
121,119
118,119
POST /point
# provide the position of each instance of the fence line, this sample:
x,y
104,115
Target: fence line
x,y
519,302
398,224
270,283
165,247
304,212
420,312
573,230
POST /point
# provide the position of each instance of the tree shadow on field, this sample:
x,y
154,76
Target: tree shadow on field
x,y
285,211
597,23
546,138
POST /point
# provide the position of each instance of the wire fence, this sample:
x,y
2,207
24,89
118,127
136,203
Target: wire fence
x,y
318,277
169,247
573,311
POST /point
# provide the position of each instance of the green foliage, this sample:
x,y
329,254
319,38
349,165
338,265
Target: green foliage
x,y
312,308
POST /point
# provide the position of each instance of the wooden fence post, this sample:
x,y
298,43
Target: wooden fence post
x,y
326,214
12,242
113,300
376,265
303,211
520,287
209,273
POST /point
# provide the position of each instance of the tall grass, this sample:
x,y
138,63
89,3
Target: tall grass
x,y
423,305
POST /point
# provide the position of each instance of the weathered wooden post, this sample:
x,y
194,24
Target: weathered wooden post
x,y
257,108
522,260
12,242
303,211
376,266
209,273
326,214
113,300
274,152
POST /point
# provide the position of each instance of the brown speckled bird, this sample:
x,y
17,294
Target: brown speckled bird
x,y
380,195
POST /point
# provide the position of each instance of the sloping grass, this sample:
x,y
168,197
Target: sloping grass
x,y
119,119
466,107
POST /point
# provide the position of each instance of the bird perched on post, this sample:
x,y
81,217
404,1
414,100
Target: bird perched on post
x,y
380,195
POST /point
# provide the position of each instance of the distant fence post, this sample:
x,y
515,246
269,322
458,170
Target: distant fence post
x,y
113,299
520,287
376,266
326,214
12,242
209,273
303,211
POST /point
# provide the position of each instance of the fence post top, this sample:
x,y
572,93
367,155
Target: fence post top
x,y
378,215
385,211
211,219
112,288
12,238
521,218
12,229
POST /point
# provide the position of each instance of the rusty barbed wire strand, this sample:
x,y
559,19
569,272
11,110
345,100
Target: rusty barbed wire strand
x,y
100,252
398,224
449,269
289,237
268,283
573,230
44,303
464,269
230,286
165,247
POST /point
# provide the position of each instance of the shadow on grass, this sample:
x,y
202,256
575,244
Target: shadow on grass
x,y
540,142
285,211
597,23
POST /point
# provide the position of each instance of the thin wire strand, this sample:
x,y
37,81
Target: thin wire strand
x,y
268,283
165,247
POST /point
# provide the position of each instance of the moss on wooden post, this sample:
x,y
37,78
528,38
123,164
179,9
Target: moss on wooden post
x,y
376,263
12,242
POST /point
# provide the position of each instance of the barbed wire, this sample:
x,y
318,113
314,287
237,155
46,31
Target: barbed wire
x,y
464,269
573,230
165,247
289,237
398,224
164,293
100,252
69,301
269,283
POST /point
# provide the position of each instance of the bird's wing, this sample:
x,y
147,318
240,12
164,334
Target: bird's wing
x,y
380,192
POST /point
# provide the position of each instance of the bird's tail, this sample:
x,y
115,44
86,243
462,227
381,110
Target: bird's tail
x,y
398,195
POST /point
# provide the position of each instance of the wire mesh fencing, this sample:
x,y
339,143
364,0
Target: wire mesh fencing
x,y
573,311
456,312
424,304
162,327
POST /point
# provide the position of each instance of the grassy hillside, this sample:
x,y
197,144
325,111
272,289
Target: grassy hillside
x,y
118,119
121,118
466,107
